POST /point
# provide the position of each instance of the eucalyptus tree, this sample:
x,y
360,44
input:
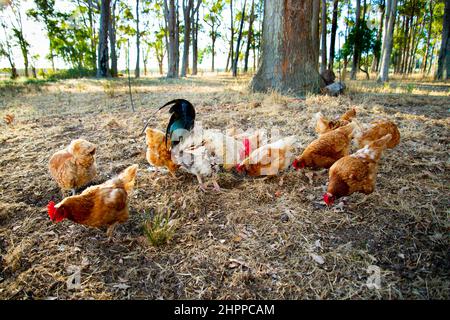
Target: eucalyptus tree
x,y
213,19
287,62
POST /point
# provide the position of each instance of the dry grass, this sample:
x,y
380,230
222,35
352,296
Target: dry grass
x,y
268,238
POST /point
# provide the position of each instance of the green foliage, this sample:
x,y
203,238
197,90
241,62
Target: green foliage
x,y
68,35
73,73
410,87
158,228
365,37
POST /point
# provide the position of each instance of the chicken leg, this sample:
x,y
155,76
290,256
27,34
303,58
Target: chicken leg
x,y
203,186
110,230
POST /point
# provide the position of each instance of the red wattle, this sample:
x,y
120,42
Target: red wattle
x,y
51,210
246,147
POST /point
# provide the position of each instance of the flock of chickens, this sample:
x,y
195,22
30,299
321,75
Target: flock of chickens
x,y
204,153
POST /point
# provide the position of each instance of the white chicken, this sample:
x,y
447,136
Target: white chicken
x,y
269,159
203,152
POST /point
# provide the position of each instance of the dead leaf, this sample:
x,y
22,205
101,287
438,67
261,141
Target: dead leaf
x,y
317,258
237,239
310,176
122,286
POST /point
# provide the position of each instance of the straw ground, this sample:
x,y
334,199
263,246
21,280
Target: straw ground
x,y
263,238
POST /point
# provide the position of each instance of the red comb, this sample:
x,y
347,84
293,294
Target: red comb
x,y
327,199
246,147
52,212
240,167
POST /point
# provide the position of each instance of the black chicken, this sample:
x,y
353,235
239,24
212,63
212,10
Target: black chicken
x,y
181,122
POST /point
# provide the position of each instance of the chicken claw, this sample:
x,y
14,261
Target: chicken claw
x,y
216,186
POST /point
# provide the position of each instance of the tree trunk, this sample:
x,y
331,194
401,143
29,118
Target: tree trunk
x,y
323,59
398,65
25,61
443,71
391,8
415,47
249,36
232,38
137,69
288,63
356,53
177,38
9,55
406,44
431,59
91,34
430,30
213,52
144,61
169,12
187,7
315,29
376,58
102,68
228,60
112,41
238,49
333,33
195,44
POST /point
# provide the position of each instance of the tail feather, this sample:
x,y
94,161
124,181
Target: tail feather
x,y
128,177
175,101
357,128
317,117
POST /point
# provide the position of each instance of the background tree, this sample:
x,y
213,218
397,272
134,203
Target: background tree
x,y
6,49
103,65
16,23
315,29
333,33
195,30
376,58
113,40
232,32
443,71
356,52
429,33
238,44
190,9
45,12
137,69
170,13
250,37
213,20
323,21
287,62
391,8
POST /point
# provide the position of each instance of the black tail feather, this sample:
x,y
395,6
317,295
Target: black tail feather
x,y
178,102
